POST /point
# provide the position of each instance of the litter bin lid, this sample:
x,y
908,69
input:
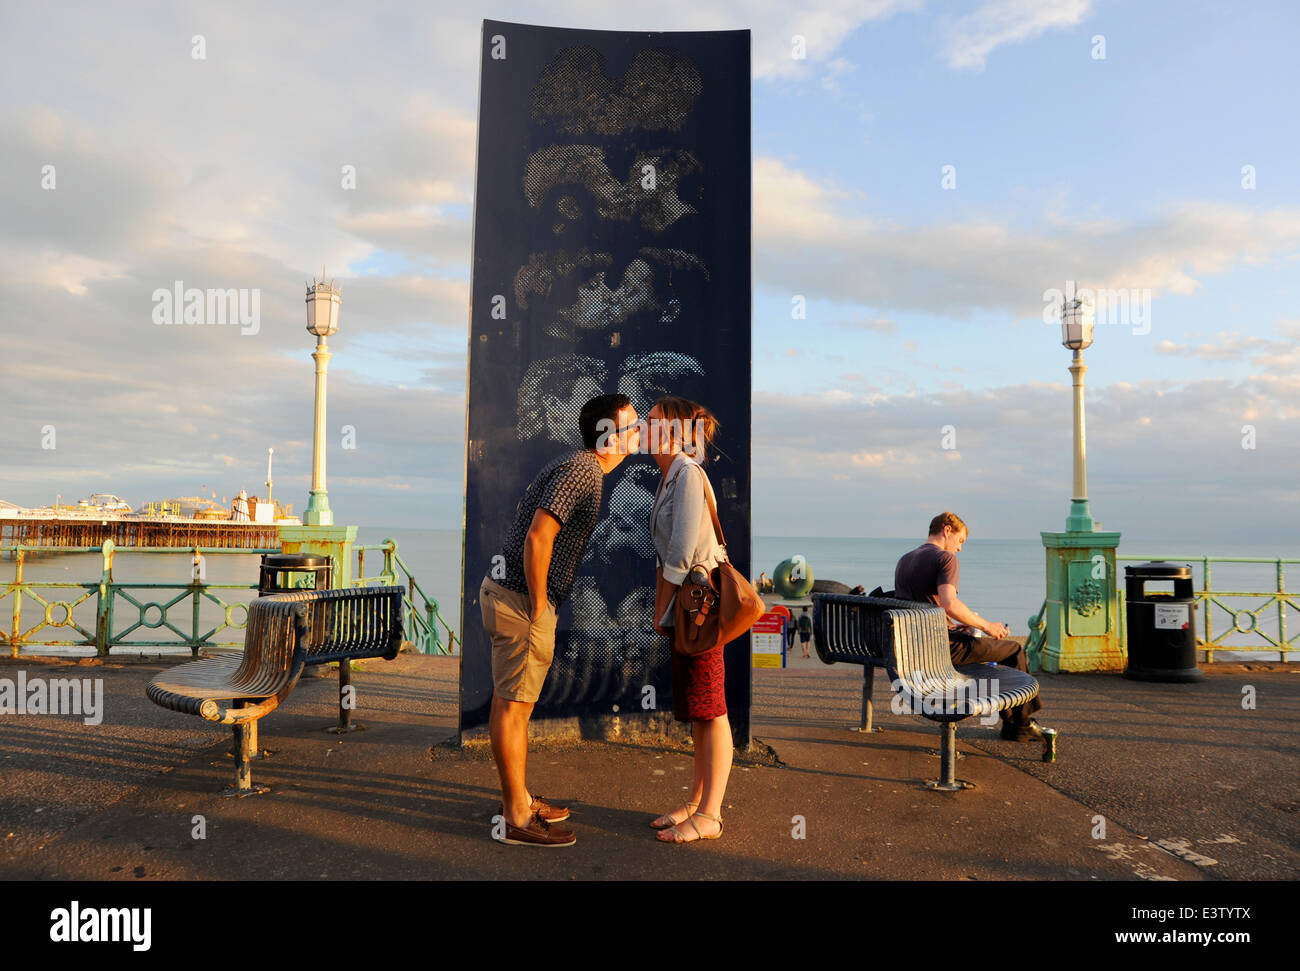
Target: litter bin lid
x,y
1160,570
289,561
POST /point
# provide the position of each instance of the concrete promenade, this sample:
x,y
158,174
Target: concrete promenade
x,y
1188,784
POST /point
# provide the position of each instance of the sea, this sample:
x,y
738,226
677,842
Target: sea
x,y
1002,579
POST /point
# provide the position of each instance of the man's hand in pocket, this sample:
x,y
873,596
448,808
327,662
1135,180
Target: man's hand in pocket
x,y
538,612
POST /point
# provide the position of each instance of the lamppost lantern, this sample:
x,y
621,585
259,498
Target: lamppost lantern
x,y
323,301
1078,318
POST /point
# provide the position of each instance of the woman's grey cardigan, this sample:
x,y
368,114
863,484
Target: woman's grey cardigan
x,y
680,524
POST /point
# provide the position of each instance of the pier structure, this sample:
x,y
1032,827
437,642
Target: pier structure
x,y
61,532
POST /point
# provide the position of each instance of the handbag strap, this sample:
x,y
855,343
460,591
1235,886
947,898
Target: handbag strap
x,y
713,510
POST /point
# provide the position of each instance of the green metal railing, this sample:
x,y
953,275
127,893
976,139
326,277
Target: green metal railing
x,y
112,599
422,615
1207,598
123,612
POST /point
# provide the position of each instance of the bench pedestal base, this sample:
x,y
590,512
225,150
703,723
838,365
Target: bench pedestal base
x,y
957,785
234,792
948,781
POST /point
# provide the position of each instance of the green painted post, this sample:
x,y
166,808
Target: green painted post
x,y
18,604
1282,611
390,573
194,637
104,608
1206,588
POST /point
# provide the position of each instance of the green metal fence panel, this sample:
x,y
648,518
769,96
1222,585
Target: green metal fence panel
x,y
126,612
1245,620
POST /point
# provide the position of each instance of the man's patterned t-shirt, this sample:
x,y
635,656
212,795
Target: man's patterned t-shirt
x,y
569,488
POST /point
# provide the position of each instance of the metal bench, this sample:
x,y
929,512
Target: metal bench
x,y
285,633
910,641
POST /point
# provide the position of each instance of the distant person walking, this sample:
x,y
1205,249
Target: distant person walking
x,y
682,529
805,631
930,573
553,521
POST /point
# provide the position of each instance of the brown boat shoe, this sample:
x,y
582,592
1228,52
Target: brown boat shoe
x,y
538,832
544,810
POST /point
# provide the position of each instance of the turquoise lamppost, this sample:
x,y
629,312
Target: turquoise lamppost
x,y
318,534
323,301
1077,323
1078,627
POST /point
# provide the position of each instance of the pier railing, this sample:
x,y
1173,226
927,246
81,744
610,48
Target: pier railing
x,y
147,606
43,613
1242,619
422,615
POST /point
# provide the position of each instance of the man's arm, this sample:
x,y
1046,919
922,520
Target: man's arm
x,y
959,612
537,559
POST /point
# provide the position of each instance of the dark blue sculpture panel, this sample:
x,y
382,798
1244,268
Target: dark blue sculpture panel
x,y
611,253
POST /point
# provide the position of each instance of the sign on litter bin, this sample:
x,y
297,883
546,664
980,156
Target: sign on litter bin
x,y
1172,617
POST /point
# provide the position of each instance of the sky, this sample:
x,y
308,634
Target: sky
x,y
923,177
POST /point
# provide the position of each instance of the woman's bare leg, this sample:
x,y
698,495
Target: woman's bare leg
x,y
681,813
713,757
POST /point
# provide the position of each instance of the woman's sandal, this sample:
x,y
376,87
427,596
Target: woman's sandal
x,y
678,837
654,823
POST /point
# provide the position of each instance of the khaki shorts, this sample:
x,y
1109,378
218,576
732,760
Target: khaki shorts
x,y
521,650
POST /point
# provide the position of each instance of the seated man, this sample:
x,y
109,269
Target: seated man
x,y
930,573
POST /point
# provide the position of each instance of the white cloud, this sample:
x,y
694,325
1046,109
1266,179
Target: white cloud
x,y
1148,444
1272,356
808,241
972,38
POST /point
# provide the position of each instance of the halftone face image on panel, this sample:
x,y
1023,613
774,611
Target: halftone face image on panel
x,y
552,394
571,293
645,378
575,95
625,530
577,179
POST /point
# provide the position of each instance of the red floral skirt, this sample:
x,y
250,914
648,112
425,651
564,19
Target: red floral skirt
x,y
699,686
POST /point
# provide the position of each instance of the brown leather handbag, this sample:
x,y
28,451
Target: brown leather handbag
x,y
712,607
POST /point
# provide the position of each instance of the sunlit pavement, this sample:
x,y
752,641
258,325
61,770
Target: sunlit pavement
x,y
1152,782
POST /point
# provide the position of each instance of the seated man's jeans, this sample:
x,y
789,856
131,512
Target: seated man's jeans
x,y
966,649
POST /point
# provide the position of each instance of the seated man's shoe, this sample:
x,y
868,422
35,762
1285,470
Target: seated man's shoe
x,y
552,814
1028,732
538,832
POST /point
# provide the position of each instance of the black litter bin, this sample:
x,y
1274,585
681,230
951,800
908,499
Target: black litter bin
x,y
278,569
1161,625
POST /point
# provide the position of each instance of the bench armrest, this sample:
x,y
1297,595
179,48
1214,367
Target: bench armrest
x,y
213,712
